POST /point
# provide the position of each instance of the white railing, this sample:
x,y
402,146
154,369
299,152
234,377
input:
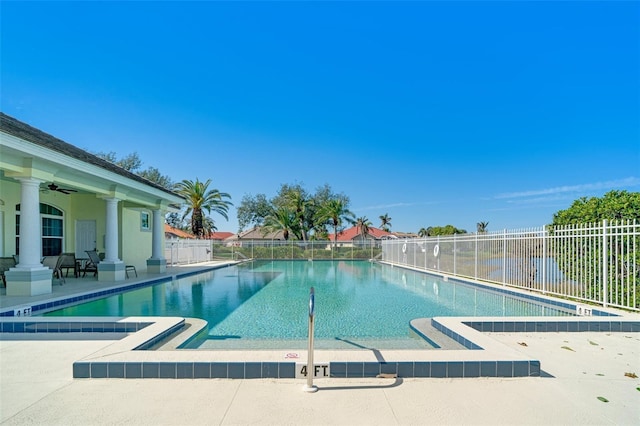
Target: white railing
x,y
192,251
180,252
597,263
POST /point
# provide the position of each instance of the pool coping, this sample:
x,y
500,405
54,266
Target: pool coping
x,y
129,357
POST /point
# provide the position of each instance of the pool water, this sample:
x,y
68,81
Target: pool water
x,y
265,304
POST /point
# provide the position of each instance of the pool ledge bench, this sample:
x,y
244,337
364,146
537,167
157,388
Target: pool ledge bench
x,y
133,356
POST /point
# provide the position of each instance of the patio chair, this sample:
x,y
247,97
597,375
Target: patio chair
x,y
6,263
53,263
69,262
95,258
92,264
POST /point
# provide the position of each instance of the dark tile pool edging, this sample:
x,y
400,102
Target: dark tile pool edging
x,y
87,326
27,326
184,370
463,367
286,370
536,326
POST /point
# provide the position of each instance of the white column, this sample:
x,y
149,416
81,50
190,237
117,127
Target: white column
x,y
157,264
111,237
30,230
29,277
157,237
111,268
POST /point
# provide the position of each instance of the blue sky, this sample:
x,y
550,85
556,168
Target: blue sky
x,y
435,113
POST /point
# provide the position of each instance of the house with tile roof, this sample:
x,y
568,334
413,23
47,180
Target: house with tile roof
x,y
219,235
353,235
255,235
57,198
171,233
403,235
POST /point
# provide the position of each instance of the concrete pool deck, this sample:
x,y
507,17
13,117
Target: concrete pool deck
x,y
37,388
37,385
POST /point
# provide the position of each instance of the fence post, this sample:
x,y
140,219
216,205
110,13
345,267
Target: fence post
x,y
415,261
455,261
544,260
504,257
475,261
426,259
605,264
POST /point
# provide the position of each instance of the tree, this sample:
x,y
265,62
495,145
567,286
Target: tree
x,y
482,227
424,232
615,206
199,197
133,163
335,213
445,230
130,162
208,226
253,210
385,222
297,199
174,220
152,174
323,195
280,219
362,225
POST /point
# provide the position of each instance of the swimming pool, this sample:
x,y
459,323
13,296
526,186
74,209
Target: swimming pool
x,y
264,304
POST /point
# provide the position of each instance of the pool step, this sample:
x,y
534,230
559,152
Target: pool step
x,y
192,327
423,327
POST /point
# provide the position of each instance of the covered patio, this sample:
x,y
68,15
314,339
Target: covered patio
x,y
57,198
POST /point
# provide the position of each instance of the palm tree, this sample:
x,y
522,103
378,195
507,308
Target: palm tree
x,y
280,219
362,225
385,222
335,212
482,227
208,226
424,232
199,197
297,200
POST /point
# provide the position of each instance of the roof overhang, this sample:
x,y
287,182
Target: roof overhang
x,y
26,156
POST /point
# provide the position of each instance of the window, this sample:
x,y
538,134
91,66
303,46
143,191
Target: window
x,y
144,221
52,226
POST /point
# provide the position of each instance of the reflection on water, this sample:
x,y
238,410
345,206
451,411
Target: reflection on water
x,y
267,303
210,296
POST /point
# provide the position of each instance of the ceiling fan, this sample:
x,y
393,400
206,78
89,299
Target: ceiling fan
x,y
53,187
